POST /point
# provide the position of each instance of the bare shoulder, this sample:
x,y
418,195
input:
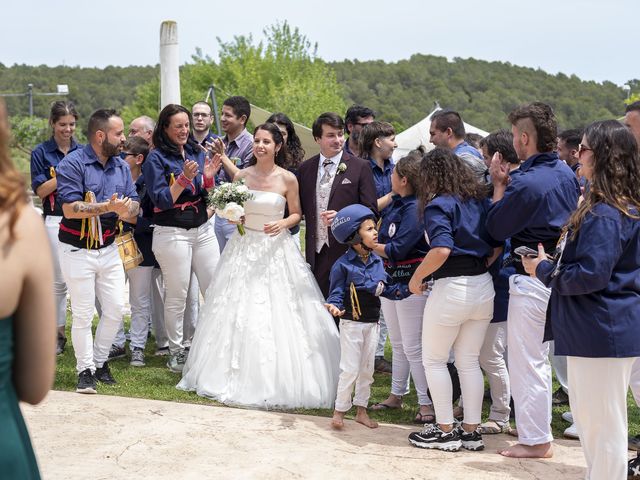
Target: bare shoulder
x,y
244,173
288,177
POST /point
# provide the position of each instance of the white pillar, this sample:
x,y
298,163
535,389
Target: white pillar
x,y
169,64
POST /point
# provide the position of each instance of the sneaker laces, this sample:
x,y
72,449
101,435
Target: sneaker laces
x,y
430,428
180,357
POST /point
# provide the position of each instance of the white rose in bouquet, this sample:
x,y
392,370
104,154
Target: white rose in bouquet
x,y
232,211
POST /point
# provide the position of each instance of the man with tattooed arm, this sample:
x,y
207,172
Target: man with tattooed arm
x,y
96,191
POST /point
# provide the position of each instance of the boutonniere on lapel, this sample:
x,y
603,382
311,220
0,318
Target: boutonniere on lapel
x,y
342,167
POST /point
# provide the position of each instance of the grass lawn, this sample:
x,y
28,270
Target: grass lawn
x,y
155,381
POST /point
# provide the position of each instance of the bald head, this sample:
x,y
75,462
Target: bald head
x,y
142,127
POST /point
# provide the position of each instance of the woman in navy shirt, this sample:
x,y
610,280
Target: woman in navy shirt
x,y
595,295
44,162
377,143
183,239
460,306
401,243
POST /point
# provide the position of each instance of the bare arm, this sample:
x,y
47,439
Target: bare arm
x,y
80,209
35,318
47,188
379,249
293,203
385,201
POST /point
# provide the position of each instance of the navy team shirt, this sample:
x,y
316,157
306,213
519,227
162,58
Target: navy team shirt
x,y
595,293
401,231
45,157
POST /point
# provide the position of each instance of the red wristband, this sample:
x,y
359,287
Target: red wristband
x,y
208,182
183,181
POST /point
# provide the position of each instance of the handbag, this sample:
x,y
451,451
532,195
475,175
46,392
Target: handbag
x,y
128,249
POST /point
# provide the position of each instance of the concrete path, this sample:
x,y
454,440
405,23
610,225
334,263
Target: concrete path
x,y
105,437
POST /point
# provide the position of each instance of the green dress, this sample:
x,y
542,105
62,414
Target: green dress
x,y
16,454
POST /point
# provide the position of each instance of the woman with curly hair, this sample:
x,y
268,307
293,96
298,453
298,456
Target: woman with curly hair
x,y
595,295
27,315
460,305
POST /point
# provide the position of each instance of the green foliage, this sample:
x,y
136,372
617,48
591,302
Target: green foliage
x,y
27,132
483,92
281,74
635,97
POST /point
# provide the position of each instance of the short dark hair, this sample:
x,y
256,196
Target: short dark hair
x,y
357,111
369,134
328,118
61,108
473,139
160,138
501,141
137,146
571,137
449,119
544,122
99,120
240,107
201,102
633,107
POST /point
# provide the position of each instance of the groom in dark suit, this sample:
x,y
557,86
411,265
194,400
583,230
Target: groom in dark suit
x,y
328,182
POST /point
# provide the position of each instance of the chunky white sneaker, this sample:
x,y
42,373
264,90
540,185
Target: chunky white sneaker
x,y
567,417
571,432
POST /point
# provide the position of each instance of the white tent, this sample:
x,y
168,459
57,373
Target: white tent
x,y
418,134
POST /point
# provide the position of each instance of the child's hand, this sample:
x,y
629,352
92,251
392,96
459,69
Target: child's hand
x,y
333,310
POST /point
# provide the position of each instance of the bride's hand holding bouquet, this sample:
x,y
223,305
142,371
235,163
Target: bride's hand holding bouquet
x,y
228,199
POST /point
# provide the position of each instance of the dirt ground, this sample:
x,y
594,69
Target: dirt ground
x,y
105,437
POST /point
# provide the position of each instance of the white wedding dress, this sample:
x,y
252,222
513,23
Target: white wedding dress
x,y
264,338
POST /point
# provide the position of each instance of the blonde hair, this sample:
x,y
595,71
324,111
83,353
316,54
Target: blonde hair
x,y
13,193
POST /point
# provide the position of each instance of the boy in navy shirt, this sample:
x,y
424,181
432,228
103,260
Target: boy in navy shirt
x,y
357,280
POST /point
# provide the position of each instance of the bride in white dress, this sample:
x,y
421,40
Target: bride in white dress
x,y
264,338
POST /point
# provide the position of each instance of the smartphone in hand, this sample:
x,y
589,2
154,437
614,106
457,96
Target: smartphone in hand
x,y
525,252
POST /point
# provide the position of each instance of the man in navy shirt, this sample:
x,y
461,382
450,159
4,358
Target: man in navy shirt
x,y
531,205
356,118
447,131
96,190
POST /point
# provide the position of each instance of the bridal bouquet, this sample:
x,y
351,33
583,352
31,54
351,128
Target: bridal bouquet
x,y
229,199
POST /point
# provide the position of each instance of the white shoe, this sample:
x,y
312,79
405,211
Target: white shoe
x,y
567,417
571,432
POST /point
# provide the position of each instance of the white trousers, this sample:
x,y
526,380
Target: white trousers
x,y
90,274
191,310
223,230
157,308
357,356
179,252
598,398
493,363
457,314
52,225
140,288
635,381
529,368
559,364
404,321
382,337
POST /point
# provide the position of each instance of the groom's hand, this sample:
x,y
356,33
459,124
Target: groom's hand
x,y
327,217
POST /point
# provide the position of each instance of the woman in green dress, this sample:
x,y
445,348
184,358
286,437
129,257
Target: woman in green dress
x,y
27,315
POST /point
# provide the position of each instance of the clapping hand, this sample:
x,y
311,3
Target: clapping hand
x,y
190,169
216,146
212,165
119,206
333,310
499,170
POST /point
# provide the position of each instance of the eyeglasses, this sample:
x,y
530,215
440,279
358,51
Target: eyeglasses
x,y
362,124
203,115
582,148
124,155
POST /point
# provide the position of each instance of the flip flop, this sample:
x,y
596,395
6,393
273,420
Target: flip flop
x,y
424,418
382,406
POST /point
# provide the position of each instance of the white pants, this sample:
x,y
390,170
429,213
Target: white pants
x,y
90,274
494,364
635,381
157,308
404,321
529,368
140,288
191,310
598,398
223,230
357,356
179,251
559,364
52,225
382,337
457,314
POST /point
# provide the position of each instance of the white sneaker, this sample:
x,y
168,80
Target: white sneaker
x,y
567,417
571,432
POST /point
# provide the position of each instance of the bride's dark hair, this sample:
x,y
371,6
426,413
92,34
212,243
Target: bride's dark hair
x,y
276,134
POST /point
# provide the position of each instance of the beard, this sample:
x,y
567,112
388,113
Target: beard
x,y
109,149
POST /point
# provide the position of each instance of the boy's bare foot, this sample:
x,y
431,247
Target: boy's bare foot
x,y
337,421
363,418
542,450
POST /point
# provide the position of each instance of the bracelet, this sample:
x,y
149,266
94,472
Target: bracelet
x,y
183,181
208,182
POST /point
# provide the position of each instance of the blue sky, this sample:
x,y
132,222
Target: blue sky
x,y
592,39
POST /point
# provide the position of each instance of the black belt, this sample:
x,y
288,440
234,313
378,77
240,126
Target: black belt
x,y
461,266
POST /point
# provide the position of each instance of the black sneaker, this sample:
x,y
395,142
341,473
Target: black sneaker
x,y
103,375
433,437
633,468
634,443
117,352
559,397
62,342
472,440
86,382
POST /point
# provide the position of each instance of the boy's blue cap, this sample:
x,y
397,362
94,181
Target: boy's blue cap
x,y
347,221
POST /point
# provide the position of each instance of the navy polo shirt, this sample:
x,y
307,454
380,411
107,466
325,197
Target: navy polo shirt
x,y
381,179
459,225
537,203
45,156
595,296
401,230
